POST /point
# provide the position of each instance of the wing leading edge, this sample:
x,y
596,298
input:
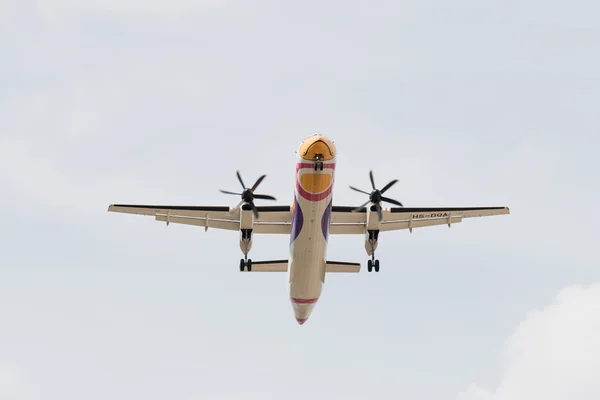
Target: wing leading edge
x,y
397,218
272,219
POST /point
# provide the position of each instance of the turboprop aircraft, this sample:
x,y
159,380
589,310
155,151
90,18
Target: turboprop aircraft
x,y
309,221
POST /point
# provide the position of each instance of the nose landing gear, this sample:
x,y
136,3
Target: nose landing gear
x,y
318,162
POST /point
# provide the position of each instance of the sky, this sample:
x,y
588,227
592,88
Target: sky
x,y
473,103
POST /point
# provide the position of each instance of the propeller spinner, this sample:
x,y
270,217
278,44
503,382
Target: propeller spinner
x,y
376,196
248,195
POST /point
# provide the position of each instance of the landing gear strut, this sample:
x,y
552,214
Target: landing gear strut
x,y
246,245
246,264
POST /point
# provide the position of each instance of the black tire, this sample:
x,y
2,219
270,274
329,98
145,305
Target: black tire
x,y
376,265
249,266
242,265
369,265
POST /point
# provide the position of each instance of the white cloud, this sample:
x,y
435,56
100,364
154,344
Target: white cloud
x,y
13,385
128,7
32,175
554,353
8,377
36,178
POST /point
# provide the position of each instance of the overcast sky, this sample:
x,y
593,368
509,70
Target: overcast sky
x,y
473,103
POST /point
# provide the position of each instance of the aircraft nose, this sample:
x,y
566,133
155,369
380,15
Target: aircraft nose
x,y
317,147
301,320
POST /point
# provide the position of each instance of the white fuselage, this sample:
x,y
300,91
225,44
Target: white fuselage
x,y
311,213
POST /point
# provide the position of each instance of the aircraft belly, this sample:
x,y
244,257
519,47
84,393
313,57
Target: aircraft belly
x,y
308,253
307,272
311,213
308,262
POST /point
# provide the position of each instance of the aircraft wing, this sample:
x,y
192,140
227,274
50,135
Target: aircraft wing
x,y
277,219
346,221
272,219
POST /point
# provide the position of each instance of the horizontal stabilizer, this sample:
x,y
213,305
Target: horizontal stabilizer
x,y
270,266
339,266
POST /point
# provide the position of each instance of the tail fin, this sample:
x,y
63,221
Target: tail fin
x,y
339,266
282,266
269,266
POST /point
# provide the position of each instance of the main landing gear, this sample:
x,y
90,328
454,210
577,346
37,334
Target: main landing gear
x,y
371,246
245,264
373,264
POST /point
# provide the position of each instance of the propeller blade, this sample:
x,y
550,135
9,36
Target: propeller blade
x,y
396,202
264,197
361,191
389,185
254,210
226,192
240,179
258,181
236,208
361,206
372,180
379,213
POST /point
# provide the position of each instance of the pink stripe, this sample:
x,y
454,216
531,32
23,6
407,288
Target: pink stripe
x,y
304,301
311,196
299,166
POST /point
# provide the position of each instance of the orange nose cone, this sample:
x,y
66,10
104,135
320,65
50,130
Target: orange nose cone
x,y
317,147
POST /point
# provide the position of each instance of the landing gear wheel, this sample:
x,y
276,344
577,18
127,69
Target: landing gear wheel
x,y
370,265
245,264
376,265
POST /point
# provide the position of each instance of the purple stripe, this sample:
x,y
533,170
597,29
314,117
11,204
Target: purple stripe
x,y
297,220
325,220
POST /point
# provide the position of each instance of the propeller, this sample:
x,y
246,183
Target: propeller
x,y
248,195
376,196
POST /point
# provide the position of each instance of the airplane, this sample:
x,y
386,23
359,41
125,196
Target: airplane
x,y
309,221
